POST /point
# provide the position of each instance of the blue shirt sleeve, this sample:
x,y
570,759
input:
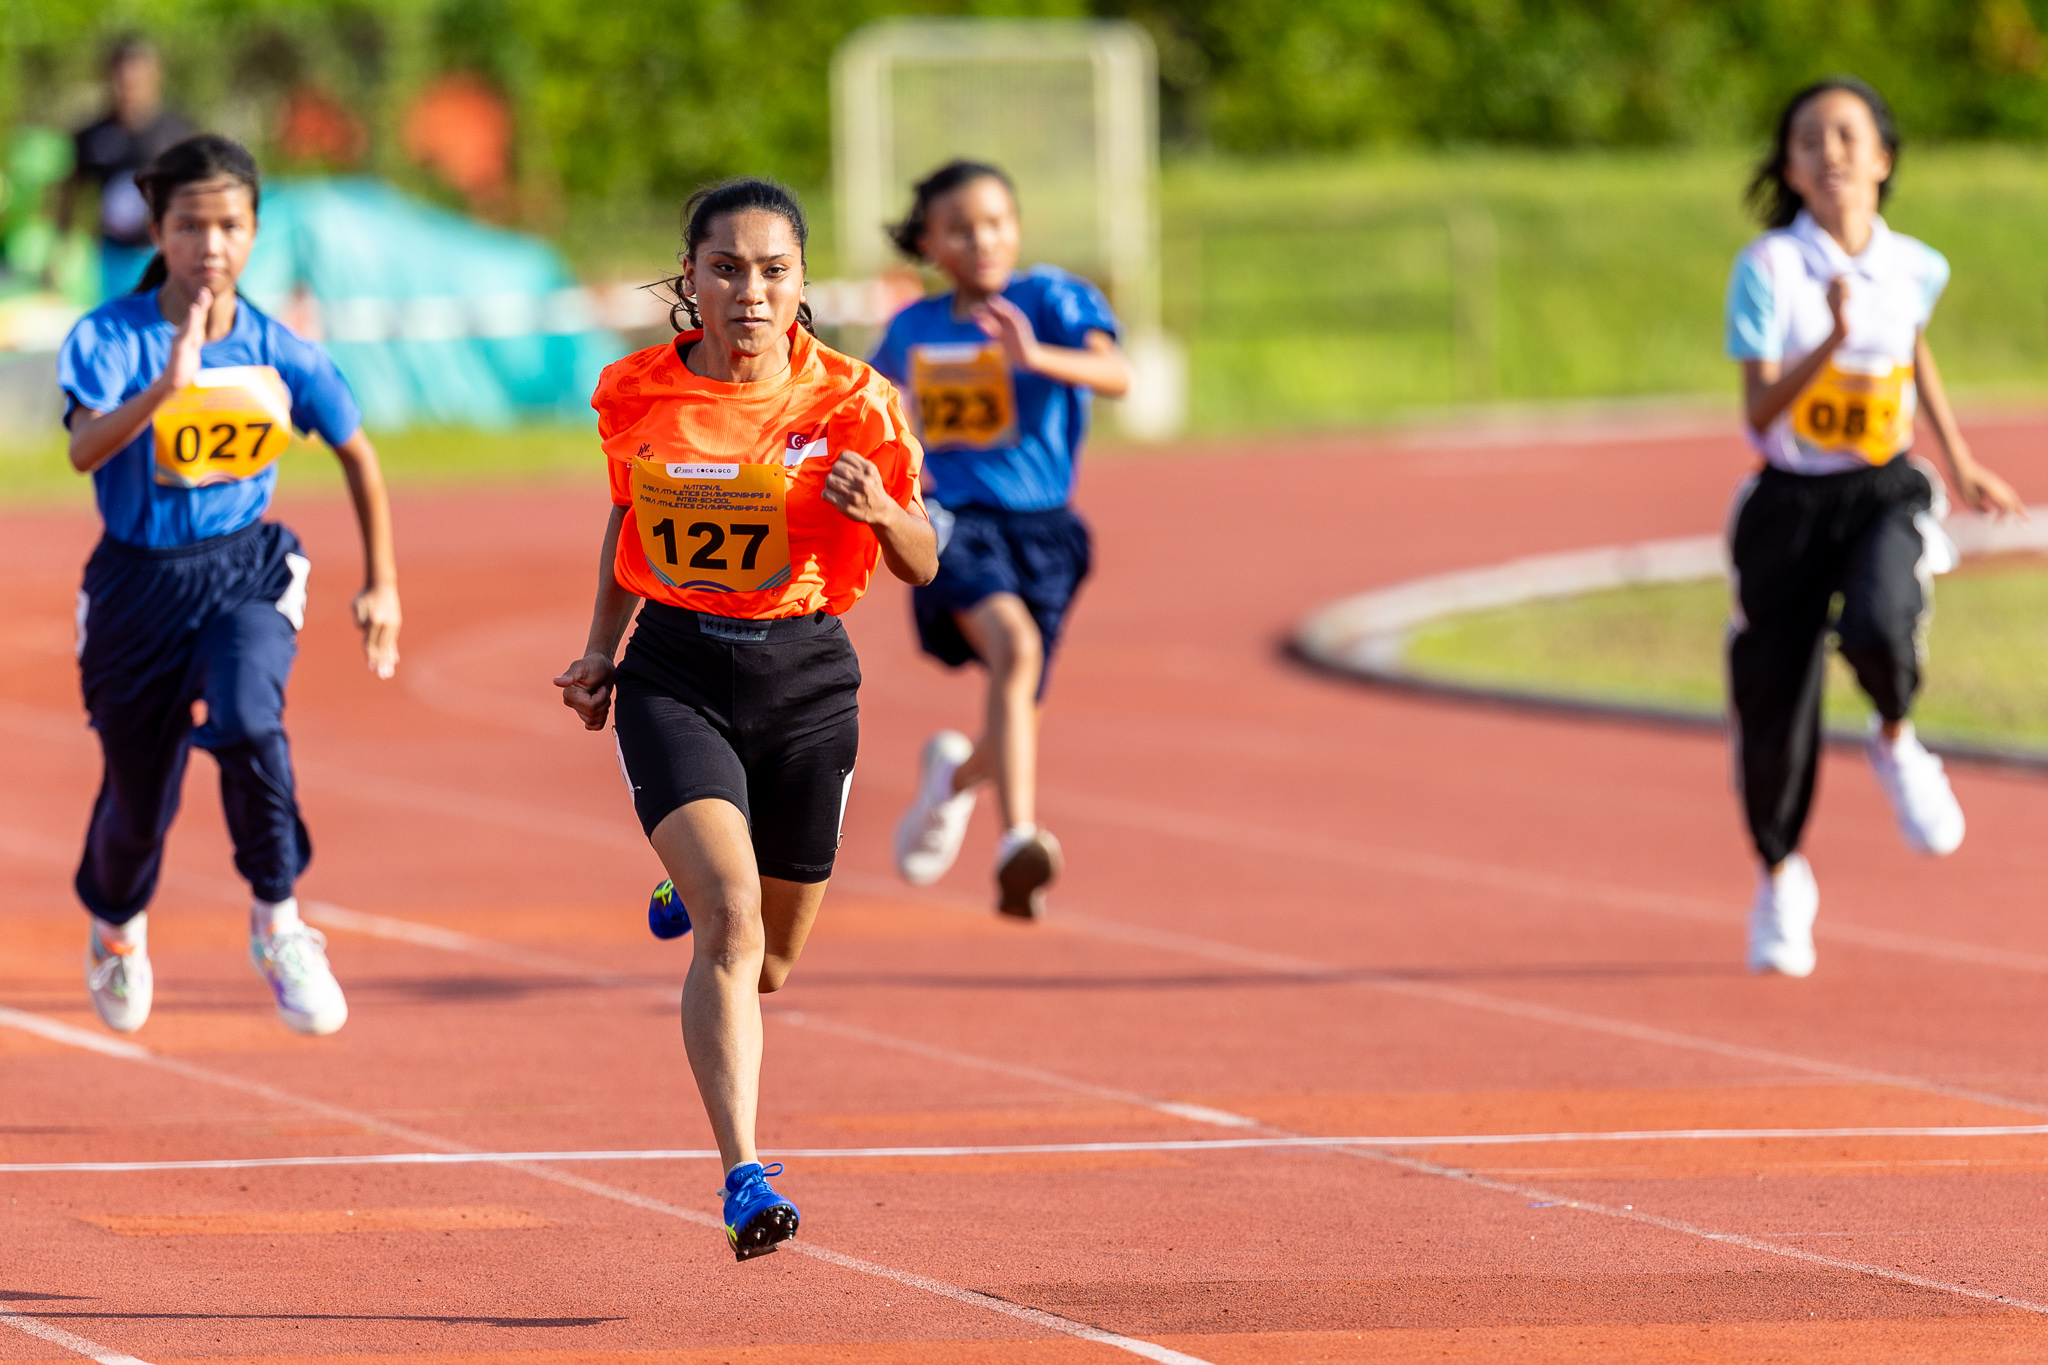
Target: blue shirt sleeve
x,y
1075,307
888,359
322,401
95,365
1752,312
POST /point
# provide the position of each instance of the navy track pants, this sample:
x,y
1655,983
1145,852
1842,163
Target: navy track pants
x,y
159,630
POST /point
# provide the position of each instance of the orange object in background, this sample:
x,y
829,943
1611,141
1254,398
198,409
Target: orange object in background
x,y
461,129
317,127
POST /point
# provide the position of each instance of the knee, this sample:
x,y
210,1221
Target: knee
x,y
237,719
728,932
774,973
1018,650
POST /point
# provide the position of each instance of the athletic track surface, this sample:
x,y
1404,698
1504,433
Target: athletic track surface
x,y
1297,909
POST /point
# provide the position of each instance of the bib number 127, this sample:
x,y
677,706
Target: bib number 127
x,y
708,554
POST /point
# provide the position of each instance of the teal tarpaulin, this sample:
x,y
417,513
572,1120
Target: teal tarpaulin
x,y
435,319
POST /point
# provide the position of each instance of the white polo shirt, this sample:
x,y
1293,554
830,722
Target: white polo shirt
x,y
1778,310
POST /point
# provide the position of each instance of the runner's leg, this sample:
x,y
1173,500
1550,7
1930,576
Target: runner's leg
x,y
244,658
709,855
1777,656
1883,603
144,744
1006,639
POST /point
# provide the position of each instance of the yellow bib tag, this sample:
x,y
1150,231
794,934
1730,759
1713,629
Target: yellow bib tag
x,y
713,527
965,395
1856,413
229,425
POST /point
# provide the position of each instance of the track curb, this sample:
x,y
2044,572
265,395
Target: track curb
x,y
1363,637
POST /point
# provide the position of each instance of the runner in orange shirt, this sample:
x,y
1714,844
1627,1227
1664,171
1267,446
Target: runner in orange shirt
x,y
756,478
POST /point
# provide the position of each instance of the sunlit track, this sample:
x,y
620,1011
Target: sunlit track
x,y
1359,1020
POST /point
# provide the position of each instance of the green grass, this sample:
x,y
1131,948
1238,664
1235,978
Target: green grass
x,y
411,459
1317,293
1987,652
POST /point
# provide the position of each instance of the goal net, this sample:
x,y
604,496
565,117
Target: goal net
x,y
1069,108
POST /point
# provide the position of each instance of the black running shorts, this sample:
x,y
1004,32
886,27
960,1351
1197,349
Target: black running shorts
x,y
764,714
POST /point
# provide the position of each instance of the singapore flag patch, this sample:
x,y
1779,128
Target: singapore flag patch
x,y
801,448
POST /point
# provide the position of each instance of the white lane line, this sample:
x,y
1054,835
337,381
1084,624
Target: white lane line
x,y
1228,952
527,818
57,1031
70,1341
1514,881
1535,1194
1310,1142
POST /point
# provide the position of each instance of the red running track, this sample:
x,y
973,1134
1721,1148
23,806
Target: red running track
x,y
1296,908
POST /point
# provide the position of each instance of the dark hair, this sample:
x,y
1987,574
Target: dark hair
x,y
910,232
130,47
194,161
1775,201
713,202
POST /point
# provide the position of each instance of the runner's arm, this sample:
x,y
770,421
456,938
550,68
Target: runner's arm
x,y
376,606
909,545
97,437
1767,390
1983,490
1099,365
587,684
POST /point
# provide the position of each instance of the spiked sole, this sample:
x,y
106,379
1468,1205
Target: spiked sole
x,y
758,1238
1023,879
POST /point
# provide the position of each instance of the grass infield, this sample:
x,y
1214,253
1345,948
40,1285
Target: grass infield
x,y
1662,646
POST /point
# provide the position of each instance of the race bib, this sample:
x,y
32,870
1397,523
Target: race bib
x,y
228,425
713,527
1854,412
965,395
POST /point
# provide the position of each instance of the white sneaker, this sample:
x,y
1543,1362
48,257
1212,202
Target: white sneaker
x,y
1929,819
1781,919
294,961
929,834
1028,859
118,976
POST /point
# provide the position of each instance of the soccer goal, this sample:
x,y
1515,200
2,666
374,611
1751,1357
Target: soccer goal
x,y
1069,108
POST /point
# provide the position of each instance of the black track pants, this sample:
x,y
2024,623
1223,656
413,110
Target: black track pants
x,y
1798,540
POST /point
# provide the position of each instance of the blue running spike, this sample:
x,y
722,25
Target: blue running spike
x,y
756,1217
665,913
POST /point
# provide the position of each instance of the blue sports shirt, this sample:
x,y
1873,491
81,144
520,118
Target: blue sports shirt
x,y
1037,472
118,349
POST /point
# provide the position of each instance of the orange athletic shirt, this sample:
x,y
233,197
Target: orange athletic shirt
x,y
651,407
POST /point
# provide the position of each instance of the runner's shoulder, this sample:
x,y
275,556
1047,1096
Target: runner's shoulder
x,y
1049,292
114,327
847,382
631,376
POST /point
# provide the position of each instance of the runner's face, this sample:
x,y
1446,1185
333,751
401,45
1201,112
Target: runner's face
x,y
206,234
972,235
137,87
1834,159
748,277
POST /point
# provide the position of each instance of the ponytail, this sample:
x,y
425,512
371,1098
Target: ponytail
x,y
153,276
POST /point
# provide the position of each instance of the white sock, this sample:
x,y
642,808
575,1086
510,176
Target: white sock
x,y
267,919
1014,838
133,934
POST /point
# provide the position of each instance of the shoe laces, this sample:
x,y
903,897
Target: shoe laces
x,y
754,1177
298,952
109,975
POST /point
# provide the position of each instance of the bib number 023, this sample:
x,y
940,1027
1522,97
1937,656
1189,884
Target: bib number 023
x,y
713,527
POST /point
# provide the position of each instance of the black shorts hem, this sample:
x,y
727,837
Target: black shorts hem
x,y
808,874
684,798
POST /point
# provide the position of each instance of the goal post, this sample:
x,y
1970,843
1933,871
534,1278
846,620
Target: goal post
x,y
1068,108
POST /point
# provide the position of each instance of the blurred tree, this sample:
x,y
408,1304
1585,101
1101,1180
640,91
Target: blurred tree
x,y
646,100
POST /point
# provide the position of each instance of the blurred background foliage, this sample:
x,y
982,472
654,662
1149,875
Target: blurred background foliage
x,y
1371,209
624,101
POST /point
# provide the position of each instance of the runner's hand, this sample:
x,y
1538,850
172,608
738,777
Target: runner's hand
x,y
1838,306
376,611
184,363
1984,491
855,487
587,688
1005,323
